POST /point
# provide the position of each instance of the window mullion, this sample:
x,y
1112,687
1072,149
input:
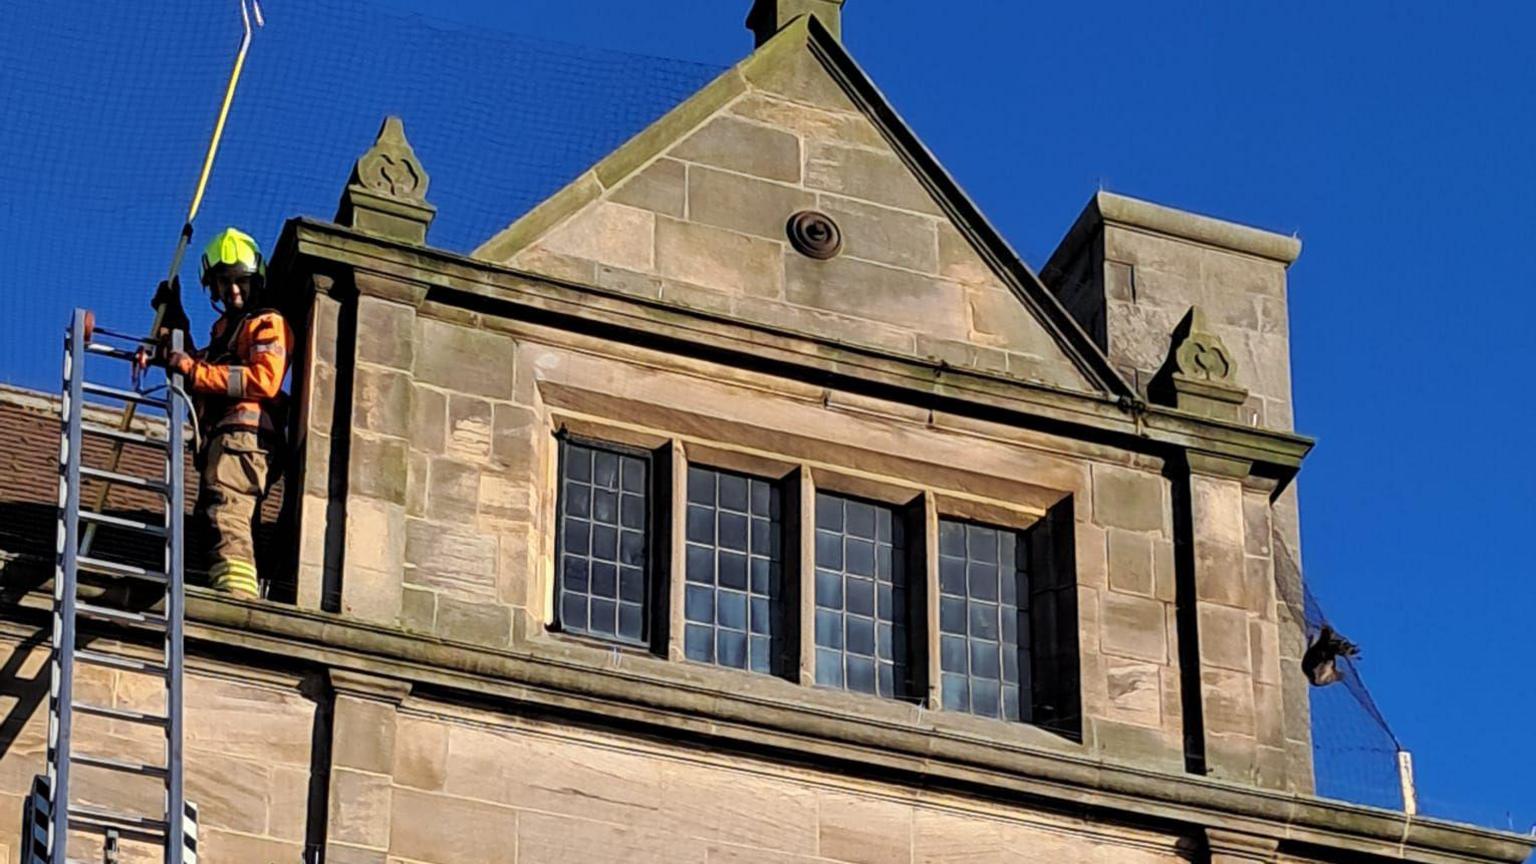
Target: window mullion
x,y
806,549
676,527
928,662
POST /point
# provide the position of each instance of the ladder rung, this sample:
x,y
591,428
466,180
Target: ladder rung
x,y
112,568
118,662
119,714
119,765
110,818
120,435
121,395
109,351
118,616
119,522
123,479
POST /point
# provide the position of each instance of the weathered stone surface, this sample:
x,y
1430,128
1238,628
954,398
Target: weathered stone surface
x,y
453,489
460,831
1256,524
379,468
870,175
743,204
1221,573
1264,645
740,808
1228,700
382,401
360,807
418,608
1224,637
838,127
829,325
512,438
385,333
461,358
1133,627
719,259
744,147
1134,692
548,839
659,187
959,260
863,830
800,77
606,233
364,735
469,429
1130,563
230,793
1138,745
450,559
884,235
429,420
218,719
421,752
478,623
1127,499
931,306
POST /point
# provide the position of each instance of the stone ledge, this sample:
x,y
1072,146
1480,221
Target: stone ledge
x,y
1135,213
666,697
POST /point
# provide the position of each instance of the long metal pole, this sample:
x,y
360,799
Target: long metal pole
x,y
186,234
175,600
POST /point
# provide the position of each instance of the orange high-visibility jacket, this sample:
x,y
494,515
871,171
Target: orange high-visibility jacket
x,y
243,368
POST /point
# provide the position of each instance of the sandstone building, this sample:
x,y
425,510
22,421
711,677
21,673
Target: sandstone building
x,y
751,501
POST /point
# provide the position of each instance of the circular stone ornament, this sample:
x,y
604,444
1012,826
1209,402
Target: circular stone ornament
x,y
815,235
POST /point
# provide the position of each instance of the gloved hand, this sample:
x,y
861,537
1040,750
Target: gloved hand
x,y
180,363
168,294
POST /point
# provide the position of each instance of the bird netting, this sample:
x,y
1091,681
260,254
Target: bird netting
x,y
109,107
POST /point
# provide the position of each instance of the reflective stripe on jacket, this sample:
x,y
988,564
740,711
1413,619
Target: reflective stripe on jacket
x,y
242,370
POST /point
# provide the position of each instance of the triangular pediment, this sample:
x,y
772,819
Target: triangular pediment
x,y
696,211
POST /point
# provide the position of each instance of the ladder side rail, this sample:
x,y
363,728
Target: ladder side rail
x,y
175,607
65,585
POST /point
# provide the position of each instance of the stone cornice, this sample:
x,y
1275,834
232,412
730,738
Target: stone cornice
x,y
459,280
894,741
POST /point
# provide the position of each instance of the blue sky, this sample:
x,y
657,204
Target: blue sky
x,y
1393,137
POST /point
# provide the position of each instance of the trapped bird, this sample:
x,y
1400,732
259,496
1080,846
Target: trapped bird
x,y
1320,661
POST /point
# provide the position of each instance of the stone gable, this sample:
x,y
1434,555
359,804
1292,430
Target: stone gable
x,y
701,222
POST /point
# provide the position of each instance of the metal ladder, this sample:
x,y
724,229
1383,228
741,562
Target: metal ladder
x,y
50,813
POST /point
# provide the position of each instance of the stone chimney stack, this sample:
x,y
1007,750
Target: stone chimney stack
x,y
769,16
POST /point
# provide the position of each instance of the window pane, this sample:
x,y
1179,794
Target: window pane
x,y
604,498
861,585
733,558
981,577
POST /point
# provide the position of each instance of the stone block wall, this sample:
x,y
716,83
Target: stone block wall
x,y
435,508
247,754
703,225
581,796
1129,271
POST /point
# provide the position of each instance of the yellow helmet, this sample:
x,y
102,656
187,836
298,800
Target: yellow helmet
x,y
236,251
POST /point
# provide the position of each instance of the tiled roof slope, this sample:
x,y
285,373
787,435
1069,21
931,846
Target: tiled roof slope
x,y
29,426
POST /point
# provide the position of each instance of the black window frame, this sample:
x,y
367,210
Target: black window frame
x,y
782,605
912,686
653,607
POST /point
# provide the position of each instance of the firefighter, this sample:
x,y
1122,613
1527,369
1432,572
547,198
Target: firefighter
x,y
235,383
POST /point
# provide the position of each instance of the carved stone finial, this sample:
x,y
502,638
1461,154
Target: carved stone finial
x,y
1200,375
387,193
1202,356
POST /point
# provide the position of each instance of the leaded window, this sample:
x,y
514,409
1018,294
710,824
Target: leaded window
x,y
862,633
732,600
983,603
603,544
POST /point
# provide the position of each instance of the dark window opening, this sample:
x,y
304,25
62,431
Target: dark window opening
x,y
733,598
604,546
983,620
863,597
